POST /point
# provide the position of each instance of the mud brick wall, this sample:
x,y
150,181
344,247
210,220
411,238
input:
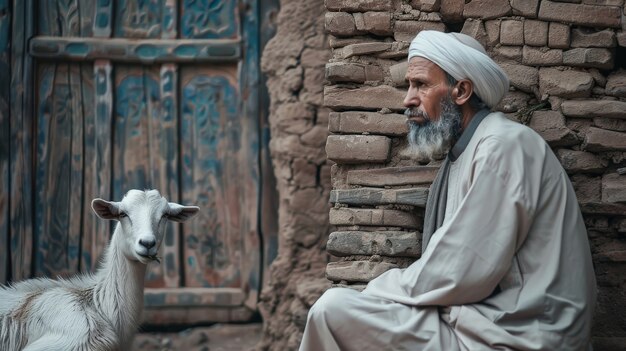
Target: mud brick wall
x,y
566,61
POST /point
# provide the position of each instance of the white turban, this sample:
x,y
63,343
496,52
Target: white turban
x,y
463,57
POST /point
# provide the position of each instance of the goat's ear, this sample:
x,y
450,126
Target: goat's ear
x,y
180,213
106,209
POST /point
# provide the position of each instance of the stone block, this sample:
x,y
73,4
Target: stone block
x,y
430,5
345,72
616,84
373,73
614,188
618,125
378,23
590,57
340,24
398,74
475,29
558,35
452,10
551,126
358,148
364,49
588,38
588,190
492,27
604,3
358,5
304,173
541,56
356,271
526,8
392,176
581,162
383,243
344,216
316,136
566,84
378,97
512,32
604,140
375,196
312,58
621,38
535,33
522,77
513,101
368,122
594,108
581,14
487,9
512,53
407,30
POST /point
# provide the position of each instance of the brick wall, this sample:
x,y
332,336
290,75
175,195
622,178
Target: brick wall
x,y
566,61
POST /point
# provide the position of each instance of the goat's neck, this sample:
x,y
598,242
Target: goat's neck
x,y
119,288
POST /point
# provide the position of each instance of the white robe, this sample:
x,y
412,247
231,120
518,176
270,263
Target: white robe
x,y
509,269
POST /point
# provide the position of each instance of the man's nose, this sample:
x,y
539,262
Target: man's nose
x,y
411,99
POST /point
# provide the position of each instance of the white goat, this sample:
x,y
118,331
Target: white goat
x,y
98,312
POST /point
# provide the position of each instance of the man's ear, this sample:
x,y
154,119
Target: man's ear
x,y
106,209
180,213
462,91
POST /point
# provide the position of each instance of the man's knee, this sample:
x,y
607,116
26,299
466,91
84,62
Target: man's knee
x,y
334,301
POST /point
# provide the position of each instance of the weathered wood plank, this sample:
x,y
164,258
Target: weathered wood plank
x,y
169,27
98,136
393,176
5,136
21,171
376,196
138,19
189,297
102,23
213,148
168,316
249,155
210,20
135,51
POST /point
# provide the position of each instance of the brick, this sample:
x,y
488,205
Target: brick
x,y
588,38
452,10
618,125
512,32
535,33
551,126
398,73
384,243
399,50
375,196
581,14
588,189
378,23
526,8
372,217
337,42
522,77
382,96
604,140
368,122
357,271
475,29
581,162
559,35
358,5
566,84
340,23
407,30
591,57
487,9
602,208
594,108
373,73
492,27
393,176
358,148
614,188
513,101
621,38
430,5
345,72
513,53
616,84
364,49
541,56
604,2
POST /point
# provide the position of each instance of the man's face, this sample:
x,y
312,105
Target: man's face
x,y
435,121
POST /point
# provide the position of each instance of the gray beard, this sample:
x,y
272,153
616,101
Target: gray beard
x,y
432,140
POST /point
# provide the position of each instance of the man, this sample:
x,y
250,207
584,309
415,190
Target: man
x,y
506,263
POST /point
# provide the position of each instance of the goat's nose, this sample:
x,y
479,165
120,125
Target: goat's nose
x,y
147,243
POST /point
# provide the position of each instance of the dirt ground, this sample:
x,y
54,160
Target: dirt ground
x,y
219,337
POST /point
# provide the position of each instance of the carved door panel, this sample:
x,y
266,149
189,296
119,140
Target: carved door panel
x,y
152,94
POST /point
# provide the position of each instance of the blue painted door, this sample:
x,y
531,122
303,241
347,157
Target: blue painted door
x,y
147,94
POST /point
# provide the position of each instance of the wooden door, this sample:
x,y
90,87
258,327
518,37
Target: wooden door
x,y
140,94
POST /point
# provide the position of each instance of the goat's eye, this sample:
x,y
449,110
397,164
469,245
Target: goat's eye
x,y
123,214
